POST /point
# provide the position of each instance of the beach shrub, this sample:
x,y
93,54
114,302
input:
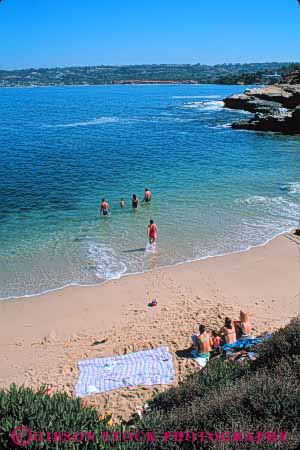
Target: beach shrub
x,y
285,343
39,412
263,396
197,386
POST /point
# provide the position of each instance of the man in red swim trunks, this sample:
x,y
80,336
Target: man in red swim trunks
x,y
152,232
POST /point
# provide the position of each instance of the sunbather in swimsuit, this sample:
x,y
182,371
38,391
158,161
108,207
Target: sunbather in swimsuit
x,y
204,342
243,326
216,340
228,331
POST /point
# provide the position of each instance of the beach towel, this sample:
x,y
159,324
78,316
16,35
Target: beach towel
x,y
201,360
244,344
140,368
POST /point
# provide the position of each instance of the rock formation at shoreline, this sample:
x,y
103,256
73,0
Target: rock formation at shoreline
x,y
276,107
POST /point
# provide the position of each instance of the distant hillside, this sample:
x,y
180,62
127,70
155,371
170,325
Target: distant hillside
x,y
253,73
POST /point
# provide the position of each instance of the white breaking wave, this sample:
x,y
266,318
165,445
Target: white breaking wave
x,y
97,121
279,208
225,125
255,200
204,106
196,96
238,111
105,261
166,118
291,188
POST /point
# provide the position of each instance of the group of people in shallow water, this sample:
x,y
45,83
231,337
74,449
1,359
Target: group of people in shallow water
x,y
152,228
206,342
105,208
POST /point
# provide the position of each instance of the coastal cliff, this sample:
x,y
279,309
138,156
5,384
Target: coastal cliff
x,y
276,107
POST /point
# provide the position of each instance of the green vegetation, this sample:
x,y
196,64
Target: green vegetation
x,y
57,413
250,397
173,73
259,396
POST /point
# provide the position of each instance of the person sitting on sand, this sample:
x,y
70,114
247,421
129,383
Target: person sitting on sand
x,y
216,340
135,201
147,196
243,326
228,331
203,342
152,232
104,207
122,203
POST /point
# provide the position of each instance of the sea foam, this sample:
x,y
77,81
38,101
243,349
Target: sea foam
x,y
204,105
279,209
92,122
195,96
105,261
292,187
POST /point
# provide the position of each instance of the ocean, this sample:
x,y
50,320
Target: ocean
x,y
215,190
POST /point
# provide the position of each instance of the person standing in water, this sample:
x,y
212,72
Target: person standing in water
x,y
122,203
104,207
147,196
152,231
135,201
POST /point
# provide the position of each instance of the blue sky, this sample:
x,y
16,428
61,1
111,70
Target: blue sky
x,y
48,33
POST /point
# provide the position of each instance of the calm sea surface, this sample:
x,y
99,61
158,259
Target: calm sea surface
x,y
215,190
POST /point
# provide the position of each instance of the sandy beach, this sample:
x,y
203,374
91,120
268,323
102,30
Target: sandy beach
x,y
42,338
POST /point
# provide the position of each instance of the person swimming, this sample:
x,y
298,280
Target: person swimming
x,y
104,207
152,231
147,196
135,201
122,203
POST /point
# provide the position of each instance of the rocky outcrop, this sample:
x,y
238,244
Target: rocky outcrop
x,y
287,95
276,108
249,102
285,122
293,77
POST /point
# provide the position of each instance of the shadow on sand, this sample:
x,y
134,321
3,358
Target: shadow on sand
x,y
142,249
186,353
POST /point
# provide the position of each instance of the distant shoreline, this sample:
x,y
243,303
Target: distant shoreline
x,y
125,83
225,74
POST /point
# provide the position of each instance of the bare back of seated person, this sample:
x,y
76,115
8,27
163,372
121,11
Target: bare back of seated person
x,y
228,332
244,327
229,335
204,343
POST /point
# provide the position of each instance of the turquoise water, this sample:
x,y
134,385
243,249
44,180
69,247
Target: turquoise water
x,y
215,190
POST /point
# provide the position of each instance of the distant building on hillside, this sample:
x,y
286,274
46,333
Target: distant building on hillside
x,y
274,77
